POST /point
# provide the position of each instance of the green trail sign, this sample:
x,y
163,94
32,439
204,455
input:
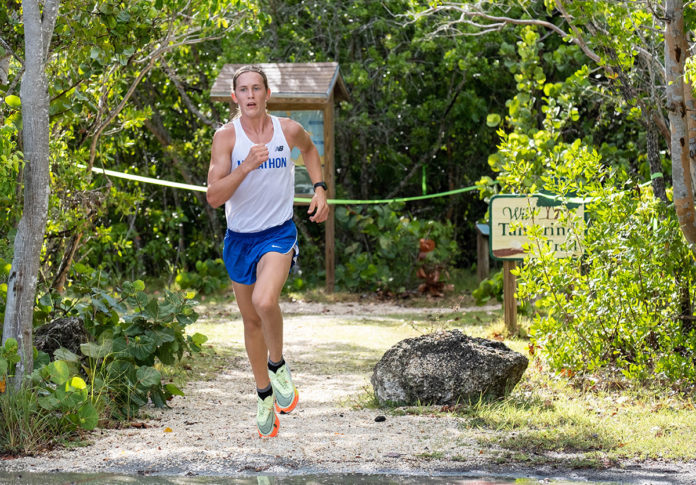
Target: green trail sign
x,y
511,215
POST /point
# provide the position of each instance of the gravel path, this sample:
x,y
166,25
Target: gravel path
x,y
210,431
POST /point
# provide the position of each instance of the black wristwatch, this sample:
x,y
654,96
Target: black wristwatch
x,y
321,184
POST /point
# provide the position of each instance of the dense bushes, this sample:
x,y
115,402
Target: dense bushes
x,y
624,307
131,336
621,307
384,251
210,276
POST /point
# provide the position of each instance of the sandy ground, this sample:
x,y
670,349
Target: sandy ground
x,y
211,431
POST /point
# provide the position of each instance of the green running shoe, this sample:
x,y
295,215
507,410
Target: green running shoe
x,y
286,395
266,420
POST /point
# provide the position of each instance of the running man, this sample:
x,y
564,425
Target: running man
x,y
251,172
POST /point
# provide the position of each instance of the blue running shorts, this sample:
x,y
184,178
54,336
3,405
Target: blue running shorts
x,y
242,251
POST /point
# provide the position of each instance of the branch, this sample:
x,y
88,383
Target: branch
x,y
48,22
578,35
187,100
502,21
170,42
657,117
14,82
7,47
4,69
110,117
438,142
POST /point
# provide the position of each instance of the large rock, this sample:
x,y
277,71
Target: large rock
x,y
67,332
446,368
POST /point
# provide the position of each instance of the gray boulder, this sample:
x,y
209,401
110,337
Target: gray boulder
x,y
446,368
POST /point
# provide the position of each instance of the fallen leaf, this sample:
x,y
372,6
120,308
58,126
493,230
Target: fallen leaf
x,y
167,429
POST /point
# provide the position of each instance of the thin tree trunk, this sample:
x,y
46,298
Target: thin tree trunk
x,y
676,106
4,69
653,149
22,282
690,116
62,275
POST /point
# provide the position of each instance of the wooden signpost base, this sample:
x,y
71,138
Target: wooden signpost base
x,y
509,300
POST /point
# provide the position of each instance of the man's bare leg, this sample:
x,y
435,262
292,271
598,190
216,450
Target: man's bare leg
x,y
271,274
253,335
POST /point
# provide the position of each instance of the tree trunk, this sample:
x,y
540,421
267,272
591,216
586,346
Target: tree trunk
x,y
690,116
62,275
4,69
653,149
21,288
676,106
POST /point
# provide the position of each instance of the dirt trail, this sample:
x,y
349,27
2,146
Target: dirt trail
x,y
211,430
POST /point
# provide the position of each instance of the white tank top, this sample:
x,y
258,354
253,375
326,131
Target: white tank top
x,y
265,197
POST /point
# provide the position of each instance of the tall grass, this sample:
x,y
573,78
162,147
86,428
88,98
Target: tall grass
x,y
25,428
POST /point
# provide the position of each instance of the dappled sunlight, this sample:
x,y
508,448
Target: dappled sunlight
x,y
213,426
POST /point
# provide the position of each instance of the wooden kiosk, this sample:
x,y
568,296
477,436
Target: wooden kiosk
x,y
305,92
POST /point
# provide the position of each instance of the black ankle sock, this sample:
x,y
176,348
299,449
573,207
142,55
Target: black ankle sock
x,y
274,366
265,392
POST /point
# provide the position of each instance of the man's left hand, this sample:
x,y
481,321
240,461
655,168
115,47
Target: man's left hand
x,y
318,206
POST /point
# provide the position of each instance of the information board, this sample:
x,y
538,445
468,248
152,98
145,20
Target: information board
x,y
313,122
511,215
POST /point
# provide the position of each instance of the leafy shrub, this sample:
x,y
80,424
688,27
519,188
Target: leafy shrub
x,y
9,358
382,249
620,307
132,333
623,307
4,273
491,287
66,395
210,276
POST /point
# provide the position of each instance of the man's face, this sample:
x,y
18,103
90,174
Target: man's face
x,y
251,93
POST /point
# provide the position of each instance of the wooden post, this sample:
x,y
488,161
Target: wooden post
x,y
330,228
482,258
509,300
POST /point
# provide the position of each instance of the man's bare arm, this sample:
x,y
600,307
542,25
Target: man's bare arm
x,y
297,136
222,181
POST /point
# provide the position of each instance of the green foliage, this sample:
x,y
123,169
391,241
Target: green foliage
x,y
24,425
386,255
620,307
210,276
11,160
9,358
126,349
617,308
65,394
491,287
132,335
4,273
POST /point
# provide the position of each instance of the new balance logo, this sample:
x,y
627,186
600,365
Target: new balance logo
x,y
280,148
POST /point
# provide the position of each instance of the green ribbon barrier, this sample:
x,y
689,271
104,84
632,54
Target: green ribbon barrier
x,y
388,201
148,180
199,188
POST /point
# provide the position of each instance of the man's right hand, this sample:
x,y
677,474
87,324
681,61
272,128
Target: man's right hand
x,y
257,155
